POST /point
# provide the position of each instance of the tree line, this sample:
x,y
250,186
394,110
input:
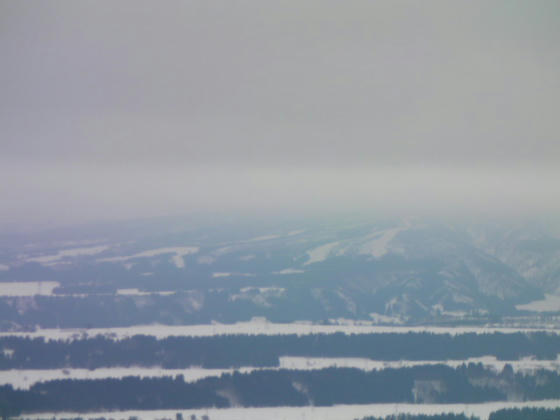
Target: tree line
x,y
227,351
269,388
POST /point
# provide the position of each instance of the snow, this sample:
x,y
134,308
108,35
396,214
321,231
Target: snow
x,y
336,412
457,314
272,289
225,274
8,353
551,303
25,378
177,259
525,365
4,267
262,238
263,327
258,295
72,252
321,253
286,271
137,292
379,246
216,275
390,305
385,319
28,288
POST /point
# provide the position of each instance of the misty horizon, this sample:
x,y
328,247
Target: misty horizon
x,y
126,110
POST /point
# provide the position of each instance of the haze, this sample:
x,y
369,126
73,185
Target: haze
x,y
134,109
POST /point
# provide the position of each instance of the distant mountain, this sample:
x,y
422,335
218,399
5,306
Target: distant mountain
x,y
533,252
392,272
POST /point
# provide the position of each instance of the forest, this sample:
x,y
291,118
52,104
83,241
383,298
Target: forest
x,y
447,416
503,414
270,388
228,351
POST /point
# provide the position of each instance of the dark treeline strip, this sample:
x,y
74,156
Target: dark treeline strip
x,y
530,413
245,350
504,414
269,388
448,416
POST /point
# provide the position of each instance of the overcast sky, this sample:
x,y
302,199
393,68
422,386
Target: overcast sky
x,y
133,108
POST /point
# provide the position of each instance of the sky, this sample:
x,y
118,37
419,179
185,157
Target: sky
x,y
113,110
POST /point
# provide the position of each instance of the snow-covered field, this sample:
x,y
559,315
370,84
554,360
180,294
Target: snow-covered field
x,y
25,378
526,365
320,253
379,246
262,327
28,288
73,252
137,292
336,412
287,271
177,258
551,303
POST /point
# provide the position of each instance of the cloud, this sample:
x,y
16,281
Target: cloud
x,y
233,103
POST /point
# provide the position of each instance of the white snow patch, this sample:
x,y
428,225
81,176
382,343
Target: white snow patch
x,y
25,378
137,292
73,252
28,288
286,271
379,246
177,259
258,295
225,274
457,314
262,327
263,289
295,232
526,365
8,353
385,319
262,238
321,253
551,303
335,412
389,306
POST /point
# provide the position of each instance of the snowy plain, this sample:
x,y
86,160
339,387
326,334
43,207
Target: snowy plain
x,y
72,252
28,288
336,412
25,378
551,303
177,255
262,327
